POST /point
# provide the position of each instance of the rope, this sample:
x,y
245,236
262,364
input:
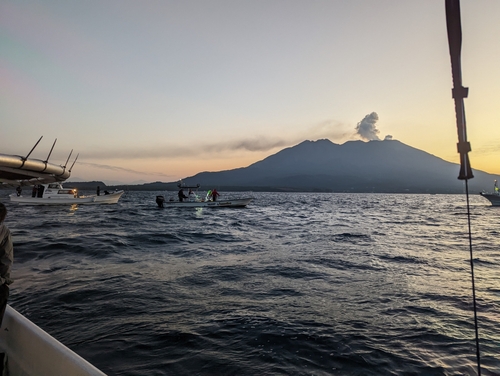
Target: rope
x,y
454,28
478,356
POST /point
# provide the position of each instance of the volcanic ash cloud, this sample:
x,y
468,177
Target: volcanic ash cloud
x,y
367,129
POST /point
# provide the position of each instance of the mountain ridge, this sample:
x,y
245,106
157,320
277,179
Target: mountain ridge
x,y
385,166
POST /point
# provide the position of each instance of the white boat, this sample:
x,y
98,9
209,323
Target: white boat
x,y
31,351
195,201
493,197
56,194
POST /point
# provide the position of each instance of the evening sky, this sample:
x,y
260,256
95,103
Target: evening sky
x,y
160,90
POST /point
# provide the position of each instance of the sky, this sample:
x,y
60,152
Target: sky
x,y
149,91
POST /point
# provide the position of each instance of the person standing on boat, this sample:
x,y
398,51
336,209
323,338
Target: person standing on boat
x,y
41,188
192,195
181,195
215,194
19,190
98,190
6,260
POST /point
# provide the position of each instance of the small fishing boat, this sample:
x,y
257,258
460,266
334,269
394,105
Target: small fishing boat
x,y
193,200
230,203
493,197
56,194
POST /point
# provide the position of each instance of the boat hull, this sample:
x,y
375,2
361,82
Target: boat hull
x,y
492,197
31,351
231,203
111,198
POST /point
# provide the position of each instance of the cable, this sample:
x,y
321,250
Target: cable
x,y
478,356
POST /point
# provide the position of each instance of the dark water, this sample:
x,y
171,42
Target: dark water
x,y
295,284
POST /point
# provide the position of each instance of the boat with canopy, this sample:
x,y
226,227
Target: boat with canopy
x,y
56,194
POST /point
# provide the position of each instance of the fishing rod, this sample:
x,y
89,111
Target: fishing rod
x,y
454,28
24,159
50,152
74,162
31,151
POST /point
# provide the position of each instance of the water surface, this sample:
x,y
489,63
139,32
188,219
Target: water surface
x,y
294,284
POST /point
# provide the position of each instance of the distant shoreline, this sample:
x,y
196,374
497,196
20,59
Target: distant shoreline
x,y
172,186
160,186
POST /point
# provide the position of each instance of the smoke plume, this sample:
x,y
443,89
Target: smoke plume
x,y
367,129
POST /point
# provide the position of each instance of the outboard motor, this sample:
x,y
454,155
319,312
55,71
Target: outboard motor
x,y
160,200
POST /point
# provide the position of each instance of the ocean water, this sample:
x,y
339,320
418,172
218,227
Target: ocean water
x,y
294,284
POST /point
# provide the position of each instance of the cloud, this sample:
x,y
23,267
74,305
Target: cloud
x,y
327,129
486,149
121,169
256,144
251,144
367,129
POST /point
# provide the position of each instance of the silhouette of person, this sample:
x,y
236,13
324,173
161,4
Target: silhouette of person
x,y
215,194
181,195
6,260
40,190
192,195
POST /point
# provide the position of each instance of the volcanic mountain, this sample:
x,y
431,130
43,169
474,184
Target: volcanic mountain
x,y
355,166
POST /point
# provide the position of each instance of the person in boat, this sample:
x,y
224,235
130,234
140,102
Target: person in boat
x,y
34,191
6,260
192,195
19,190
98,190
215,194
181,195
40,190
